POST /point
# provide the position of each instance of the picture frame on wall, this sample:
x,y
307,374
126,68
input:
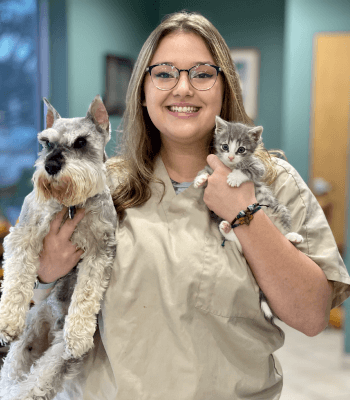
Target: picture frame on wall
x,y
247,62
118,74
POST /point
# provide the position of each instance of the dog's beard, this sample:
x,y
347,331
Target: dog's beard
x,y
71,187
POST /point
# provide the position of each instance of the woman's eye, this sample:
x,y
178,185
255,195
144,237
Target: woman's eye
x,y
225,147
79,143
241,150
165,75
202,75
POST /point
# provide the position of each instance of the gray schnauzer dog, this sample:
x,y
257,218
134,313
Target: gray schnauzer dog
x,y
55,335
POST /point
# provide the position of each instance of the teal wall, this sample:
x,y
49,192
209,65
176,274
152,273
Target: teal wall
x,y
82,34
58,74
250,23
304,18
100,27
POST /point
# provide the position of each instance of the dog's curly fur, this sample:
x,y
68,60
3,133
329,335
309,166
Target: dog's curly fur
x,y
51,340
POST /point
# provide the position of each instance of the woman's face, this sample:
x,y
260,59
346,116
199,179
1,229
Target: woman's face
x,y
183,50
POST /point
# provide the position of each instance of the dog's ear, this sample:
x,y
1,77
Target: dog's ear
x,y
98,113
51,115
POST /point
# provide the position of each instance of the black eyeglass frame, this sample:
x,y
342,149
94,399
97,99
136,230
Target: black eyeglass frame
x,y
149,69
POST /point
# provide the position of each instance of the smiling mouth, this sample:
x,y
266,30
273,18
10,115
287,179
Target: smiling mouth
x,y
183,109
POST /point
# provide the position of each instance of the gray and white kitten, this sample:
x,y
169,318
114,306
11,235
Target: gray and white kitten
x,y
235,144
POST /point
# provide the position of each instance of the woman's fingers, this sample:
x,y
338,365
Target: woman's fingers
x,y
57,221
69,226
79,253
59,255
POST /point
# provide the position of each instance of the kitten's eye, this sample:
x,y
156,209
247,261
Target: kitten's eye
x,y
48,145
241,150
79,143
225,147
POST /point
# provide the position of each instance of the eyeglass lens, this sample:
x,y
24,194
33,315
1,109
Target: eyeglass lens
x,y
165,77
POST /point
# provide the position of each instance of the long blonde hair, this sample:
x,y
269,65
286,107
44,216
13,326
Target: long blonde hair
x,y
141,140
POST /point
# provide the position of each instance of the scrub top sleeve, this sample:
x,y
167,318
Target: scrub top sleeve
x,y
308,220
40,294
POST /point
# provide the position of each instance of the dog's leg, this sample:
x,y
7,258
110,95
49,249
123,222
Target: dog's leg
x,y
80,323
25,351
46,376
17,291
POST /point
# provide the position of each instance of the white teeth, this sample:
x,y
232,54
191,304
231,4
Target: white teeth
x,y
183,109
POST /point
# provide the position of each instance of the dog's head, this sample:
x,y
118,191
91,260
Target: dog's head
x,y
70,168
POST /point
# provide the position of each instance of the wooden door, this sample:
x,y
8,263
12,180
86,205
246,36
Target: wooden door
x,y
330,126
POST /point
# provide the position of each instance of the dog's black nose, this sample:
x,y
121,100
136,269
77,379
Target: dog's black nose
x,y
54,163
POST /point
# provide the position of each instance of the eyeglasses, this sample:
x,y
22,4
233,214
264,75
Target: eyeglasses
x,y
166,77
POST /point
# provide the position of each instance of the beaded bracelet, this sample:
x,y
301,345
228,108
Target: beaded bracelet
x,y
245,216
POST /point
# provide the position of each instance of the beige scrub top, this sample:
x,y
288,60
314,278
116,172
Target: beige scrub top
x,y
181,317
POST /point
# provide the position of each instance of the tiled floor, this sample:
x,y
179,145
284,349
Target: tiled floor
x,y
314,368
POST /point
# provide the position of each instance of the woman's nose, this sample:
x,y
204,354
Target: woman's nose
x,y
183,85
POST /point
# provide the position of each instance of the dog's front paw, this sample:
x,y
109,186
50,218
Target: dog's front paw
x,y
294,237
200,180
8,334
77,346
78,335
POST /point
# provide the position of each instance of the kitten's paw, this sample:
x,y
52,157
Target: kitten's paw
x,y
294,237
226,231
224,227
200,180
233,181
236,178
265,308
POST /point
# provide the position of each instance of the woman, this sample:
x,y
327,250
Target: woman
x,y
181,317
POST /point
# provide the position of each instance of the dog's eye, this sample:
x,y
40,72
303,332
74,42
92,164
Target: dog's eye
x,y
79,143
225,147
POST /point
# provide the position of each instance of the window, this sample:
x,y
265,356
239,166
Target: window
x,y
19,102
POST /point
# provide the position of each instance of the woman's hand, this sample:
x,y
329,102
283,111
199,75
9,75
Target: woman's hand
x,y
59,254
226,201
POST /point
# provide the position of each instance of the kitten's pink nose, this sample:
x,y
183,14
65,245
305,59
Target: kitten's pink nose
x,y
231,158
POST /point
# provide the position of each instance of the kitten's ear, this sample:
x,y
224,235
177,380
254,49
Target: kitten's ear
x,y
51,115
256,133
220,124
98,113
